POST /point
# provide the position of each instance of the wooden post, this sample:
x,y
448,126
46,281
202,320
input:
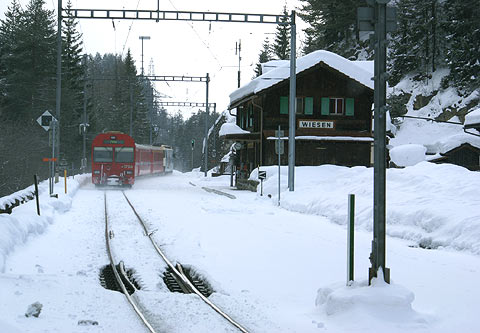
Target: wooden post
x,y
35,180
65,177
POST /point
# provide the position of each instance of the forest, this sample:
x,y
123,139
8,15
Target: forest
x,y
105,92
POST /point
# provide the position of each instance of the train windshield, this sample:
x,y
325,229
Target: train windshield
x,y
124,154
102,154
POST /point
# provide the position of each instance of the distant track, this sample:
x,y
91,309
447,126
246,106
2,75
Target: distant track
x,y
177,272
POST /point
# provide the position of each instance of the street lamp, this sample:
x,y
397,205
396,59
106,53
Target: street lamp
x,y
142,38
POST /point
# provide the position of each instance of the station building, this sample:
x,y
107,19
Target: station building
x,y
333,113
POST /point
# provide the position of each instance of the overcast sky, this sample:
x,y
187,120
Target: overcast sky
x,y
183,48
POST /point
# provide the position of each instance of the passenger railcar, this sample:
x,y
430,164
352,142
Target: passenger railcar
x,y
117,159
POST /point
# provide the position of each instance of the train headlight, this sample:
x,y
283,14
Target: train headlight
x,y
129,172
96,172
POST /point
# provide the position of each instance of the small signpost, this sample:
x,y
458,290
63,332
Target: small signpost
x,y
48,122
261,175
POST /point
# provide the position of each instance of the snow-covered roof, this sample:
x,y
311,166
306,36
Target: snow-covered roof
x,y
472,117
272,64
358,72
446,144
231,128
326,138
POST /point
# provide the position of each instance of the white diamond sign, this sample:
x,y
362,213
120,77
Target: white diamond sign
x,y
45,119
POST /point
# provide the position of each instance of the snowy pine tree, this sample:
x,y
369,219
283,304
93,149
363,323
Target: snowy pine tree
x,y
417,45
462,25
332,27
264,56
281,44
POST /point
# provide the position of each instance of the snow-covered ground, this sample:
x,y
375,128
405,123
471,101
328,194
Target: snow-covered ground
x,y
274,269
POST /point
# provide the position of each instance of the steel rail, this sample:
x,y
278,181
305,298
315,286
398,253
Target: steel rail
x,y
179,272
117,275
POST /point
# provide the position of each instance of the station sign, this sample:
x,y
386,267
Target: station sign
x,y
321,124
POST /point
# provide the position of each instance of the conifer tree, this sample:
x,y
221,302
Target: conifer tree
x,y
264,56
35,79
72,90
281,44
332,27
462,25
417,44
9,31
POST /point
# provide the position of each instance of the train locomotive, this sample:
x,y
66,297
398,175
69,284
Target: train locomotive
x,y
117,159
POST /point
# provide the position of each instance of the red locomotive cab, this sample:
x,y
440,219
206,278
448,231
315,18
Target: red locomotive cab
x,y
113,159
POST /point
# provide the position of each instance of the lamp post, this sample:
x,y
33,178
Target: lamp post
x,y
142,38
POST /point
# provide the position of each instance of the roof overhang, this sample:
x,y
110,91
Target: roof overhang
x,y
253,137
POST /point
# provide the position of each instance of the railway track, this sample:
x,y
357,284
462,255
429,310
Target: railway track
x,y
176,275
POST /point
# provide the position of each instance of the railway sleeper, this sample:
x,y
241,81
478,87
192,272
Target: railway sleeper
x,y
174,284
108,280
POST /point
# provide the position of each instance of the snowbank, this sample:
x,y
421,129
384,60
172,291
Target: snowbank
x,y
408,155
16,228
431,205
380,303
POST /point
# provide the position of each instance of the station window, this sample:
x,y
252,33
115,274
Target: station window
x,y
102,154
124,154
337,106
304,105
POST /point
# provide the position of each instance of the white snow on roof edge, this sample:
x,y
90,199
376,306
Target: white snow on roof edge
x,y
355,71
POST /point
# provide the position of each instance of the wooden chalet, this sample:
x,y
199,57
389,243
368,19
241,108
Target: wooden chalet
x,y
333,114
466,155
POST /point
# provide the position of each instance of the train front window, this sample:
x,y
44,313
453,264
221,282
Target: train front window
x,y
102,154
124,154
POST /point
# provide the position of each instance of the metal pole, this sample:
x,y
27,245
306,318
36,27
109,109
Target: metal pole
x,y
53,124
84,128
131,109
379,181
206,129
59,74
278,143
292,108
151,114
239,59
142,55
350,237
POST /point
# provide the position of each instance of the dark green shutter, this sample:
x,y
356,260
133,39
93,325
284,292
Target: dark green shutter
x,y
349,110
283,105
325,106
309,105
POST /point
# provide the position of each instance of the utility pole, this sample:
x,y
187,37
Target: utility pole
x,y
142,38
59,79
238,49
206,128
293,102
380,19
84,127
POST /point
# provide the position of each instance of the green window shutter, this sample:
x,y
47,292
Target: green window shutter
x,y
309,105
325,106
283,105
349,110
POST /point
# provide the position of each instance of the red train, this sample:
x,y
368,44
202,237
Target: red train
x,y
117,159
